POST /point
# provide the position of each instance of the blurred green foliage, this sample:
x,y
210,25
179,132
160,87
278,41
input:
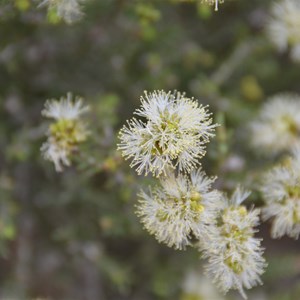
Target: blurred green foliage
x,y
74,235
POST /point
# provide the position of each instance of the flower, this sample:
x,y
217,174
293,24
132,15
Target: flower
x,y
68,10
278,126
214,2
234,255
284,27
179,209
173,134
67,132
281,192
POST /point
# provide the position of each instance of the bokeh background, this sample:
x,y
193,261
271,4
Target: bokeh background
x,y
74,235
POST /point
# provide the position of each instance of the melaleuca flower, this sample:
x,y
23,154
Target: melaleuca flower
x,y
278,126
281,191
214,2
68,10
284,27
234,255
67,132
173,134
180,209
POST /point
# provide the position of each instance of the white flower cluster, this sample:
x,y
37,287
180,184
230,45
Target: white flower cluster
x,y
281,191
67,132
68,10
277,128
277,131
180,209
173,134
284,27
234,255
184,210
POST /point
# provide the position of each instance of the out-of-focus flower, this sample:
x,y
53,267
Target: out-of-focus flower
x,y
214,2
181,208
68,10
67,132
234,255
284,27
278,126
197,287
281,191
173,134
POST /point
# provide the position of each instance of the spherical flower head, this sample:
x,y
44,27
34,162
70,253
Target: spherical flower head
x,y
179,209
234,255
281,192
173,134
68,10
277,128
214,2
284,27
66,132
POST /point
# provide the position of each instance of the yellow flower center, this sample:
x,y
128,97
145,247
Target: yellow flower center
x,y
231,230
293,191
296,216
234,266
161,215
195,204
290,125
169,125
68,132
242,211
197,207
195,196
169,122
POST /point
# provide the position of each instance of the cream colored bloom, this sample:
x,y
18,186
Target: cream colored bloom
x,y
281,191
173,133
181,208
66,132
278,126
68,10
234,255
284,26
